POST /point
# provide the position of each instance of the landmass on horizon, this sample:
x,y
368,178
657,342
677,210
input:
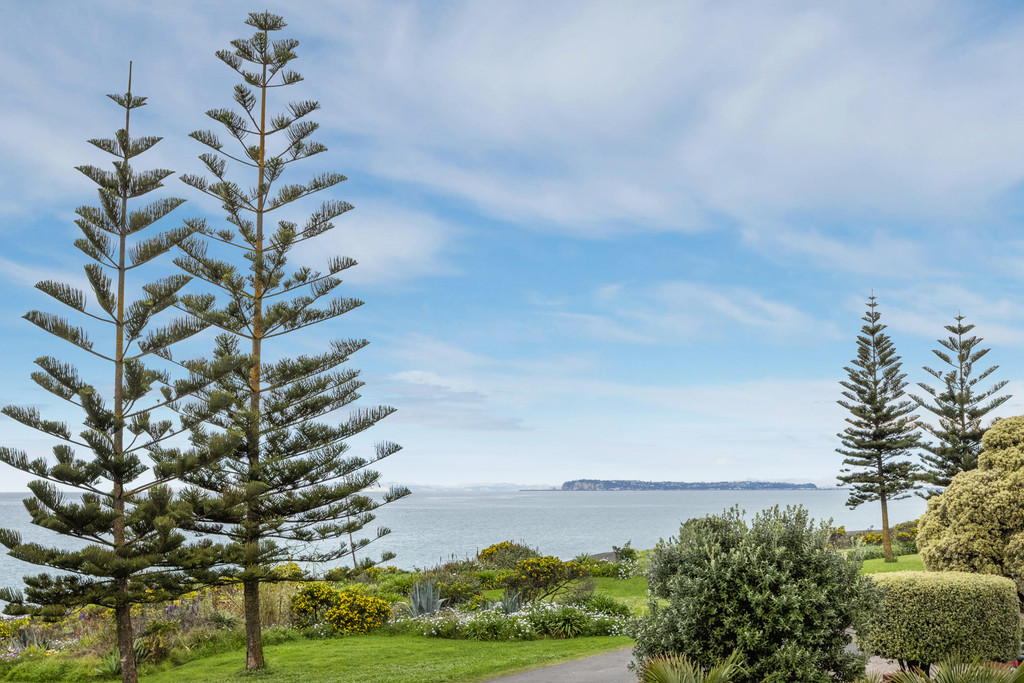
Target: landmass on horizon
x,y
637,485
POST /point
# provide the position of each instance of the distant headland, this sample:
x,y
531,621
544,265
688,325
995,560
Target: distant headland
x,y
636,485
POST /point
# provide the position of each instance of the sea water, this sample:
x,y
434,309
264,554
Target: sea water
x,y
431,527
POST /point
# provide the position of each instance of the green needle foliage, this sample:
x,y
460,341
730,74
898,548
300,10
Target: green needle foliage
x,y
128,548
291,478
882,431
956,406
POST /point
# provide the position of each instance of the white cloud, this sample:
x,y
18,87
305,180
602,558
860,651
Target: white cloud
x,y
680,312
390,244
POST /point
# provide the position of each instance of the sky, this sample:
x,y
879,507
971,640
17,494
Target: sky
x,y
595,239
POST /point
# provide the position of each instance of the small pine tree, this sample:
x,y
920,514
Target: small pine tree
x,y
291,478
956,406
127,520
882,431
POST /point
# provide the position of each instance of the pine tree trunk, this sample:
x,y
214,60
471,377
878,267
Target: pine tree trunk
x,y
886,539
253,635
253,631
125,636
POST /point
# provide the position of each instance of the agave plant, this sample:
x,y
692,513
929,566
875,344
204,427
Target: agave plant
x,y
425,598
511,601
964,672
674,668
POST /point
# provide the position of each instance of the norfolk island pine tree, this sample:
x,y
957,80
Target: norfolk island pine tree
x,y
128,519
882,431
290,479
957,408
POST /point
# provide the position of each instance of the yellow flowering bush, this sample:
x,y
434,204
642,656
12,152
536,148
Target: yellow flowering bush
x,y
357,613
504,555
536,578
313,601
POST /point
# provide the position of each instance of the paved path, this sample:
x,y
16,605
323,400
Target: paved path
x,y
607,668
611,668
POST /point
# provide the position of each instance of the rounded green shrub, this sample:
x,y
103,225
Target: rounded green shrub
x,y
926,617
773,590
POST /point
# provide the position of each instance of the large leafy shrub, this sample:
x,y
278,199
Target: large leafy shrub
x,y
977,523
926,617
773,590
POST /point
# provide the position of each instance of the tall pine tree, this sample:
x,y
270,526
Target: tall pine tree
x,y
290,490
127,520
957,406
882,432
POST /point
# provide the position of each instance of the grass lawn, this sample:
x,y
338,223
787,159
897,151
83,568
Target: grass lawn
x,y
903,563
386,659
632,591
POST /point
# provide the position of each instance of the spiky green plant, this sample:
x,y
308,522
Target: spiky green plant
x,y
674,668
954,671
425,598
291,478
128,548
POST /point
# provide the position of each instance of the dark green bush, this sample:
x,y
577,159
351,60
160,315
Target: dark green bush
x,y
926,617
773,590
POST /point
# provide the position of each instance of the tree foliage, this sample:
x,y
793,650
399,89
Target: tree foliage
x,y
128,548
291,478
958,406
882,430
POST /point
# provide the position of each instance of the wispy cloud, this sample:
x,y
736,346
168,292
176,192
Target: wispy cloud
x,y
683,312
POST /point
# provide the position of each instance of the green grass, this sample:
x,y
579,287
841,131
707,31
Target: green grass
x,y
903,563
384,659
632,591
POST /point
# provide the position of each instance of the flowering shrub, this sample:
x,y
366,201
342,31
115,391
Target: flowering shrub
x,y
356,613
541,577
312,602
504,555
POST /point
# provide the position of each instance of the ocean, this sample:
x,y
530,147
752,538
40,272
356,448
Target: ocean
x,y
431,527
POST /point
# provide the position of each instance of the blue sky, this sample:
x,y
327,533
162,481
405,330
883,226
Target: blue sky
x,y
596,239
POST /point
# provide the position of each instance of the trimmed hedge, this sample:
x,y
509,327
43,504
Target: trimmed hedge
x,y
926,617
